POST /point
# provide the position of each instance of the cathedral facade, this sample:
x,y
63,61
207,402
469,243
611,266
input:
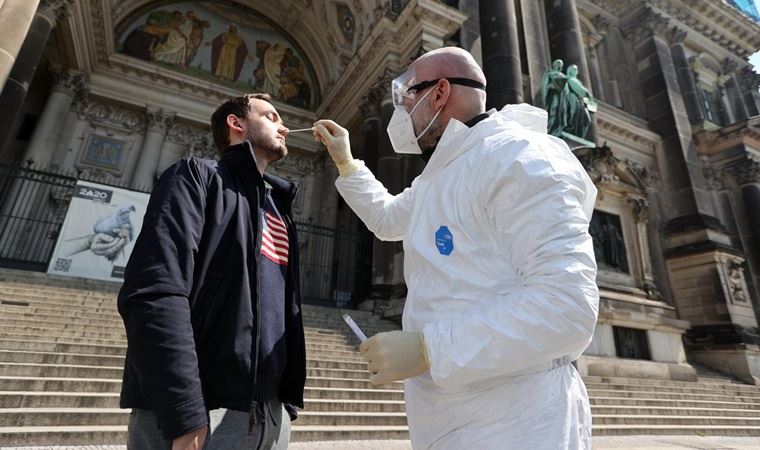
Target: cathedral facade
x,y
117,91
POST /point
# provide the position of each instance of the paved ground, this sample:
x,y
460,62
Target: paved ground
x,y
600,443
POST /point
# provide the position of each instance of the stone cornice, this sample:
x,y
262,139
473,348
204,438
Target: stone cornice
x,y
614,122
717,21
746,133
651,23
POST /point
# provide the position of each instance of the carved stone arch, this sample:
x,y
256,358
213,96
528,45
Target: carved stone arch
x,y
307,42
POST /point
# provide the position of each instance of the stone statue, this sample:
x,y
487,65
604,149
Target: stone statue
x,y
580,104
567,101
552,96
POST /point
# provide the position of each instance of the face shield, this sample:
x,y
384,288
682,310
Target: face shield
x,y
404,91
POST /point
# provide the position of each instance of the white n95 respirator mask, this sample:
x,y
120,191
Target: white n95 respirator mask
x,y
401,130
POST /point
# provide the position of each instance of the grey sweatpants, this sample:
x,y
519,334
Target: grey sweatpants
x,y
228,430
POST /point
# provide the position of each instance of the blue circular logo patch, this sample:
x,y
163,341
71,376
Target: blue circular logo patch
x,y
444,241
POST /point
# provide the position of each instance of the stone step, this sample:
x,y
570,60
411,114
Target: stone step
x,y
354,406
72,324
57,314
657,402
604,419
46,384
313,372
672,411
670,396
32,357
63,340
657,382
82,333
53,399
673,430
325,363
356,359
94,305
696,388
345,418
325,382
54,417
63,435
54,292
311,392
59,370
61,347
304,433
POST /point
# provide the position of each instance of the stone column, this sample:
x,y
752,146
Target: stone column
x,y
688,84
15,18
641,213
688,203
734,93
536,46
386,291
566,43
68,85
565,37
17,84
501,52
157,123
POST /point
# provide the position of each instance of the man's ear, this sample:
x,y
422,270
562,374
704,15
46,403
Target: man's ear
x,y
235,124
442,92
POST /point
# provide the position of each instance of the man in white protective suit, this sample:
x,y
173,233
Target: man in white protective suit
x,y
498,262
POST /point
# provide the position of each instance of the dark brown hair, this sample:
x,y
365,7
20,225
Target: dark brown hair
x,y
239,106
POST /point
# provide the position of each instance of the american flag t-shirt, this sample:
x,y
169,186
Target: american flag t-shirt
x,y
274,236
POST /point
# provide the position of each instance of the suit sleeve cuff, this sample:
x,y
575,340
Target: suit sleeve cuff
x,y
181,419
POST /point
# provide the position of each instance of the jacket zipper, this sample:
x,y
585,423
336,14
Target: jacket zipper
x,y
254,415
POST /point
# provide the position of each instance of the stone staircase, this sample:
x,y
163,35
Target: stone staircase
x,y
62,348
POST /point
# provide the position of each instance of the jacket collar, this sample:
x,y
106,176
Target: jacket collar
x,y
240,158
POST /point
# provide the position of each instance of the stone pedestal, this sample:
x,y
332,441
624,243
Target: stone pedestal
x,y
663,337
711,293
67,85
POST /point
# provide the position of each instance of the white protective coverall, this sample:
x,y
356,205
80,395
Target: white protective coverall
x,y
501,273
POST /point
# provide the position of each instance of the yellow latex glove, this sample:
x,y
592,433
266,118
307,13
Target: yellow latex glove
x,y
335,138
394,356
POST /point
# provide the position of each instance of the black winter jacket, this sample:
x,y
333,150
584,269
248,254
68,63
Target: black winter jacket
x,y
190,296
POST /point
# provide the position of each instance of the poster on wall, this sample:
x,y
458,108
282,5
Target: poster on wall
x,y
98,232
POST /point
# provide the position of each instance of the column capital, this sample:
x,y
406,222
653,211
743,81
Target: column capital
x,y
159,120
372,103
651,24
70,82
640,207
55,10
749,80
